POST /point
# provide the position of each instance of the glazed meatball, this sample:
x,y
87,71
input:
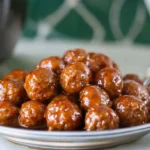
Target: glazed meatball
x,y
41,84
115,65
131,110
111,81
76,55
92,96
54,63
32,115
8,114
91,54
63,114
16,74
133,77
75,77
101,118
99,61
13,91
148,89
134,88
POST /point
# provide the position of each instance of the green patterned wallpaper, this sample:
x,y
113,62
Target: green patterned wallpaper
x,y
98,20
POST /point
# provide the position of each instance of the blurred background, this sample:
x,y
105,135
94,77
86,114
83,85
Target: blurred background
x,y
35,29
92,20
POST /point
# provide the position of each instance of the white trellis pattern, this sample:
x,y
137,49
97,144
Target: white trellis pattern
x,y
47,25
53,19
136,27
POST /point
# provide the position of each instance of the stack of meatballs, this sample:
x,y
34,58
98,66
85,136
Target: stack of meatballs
x,y
80,91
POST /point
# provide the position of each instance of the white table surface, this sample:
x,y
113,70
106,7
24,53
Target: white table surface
x,y
26,49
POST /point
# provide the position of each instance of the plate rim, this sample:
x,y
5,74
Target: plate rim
x,y
10,130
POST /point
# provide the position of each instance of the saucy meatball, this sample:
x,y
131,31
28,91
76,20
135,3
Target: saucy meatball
x,y
133,77
92,96
101,118
16,74
76,55
75,77
13,91
91,54
63,114
41,84
54,63
111,81
148,89
115,65
131,110
8,114
134,88
32,115
99,61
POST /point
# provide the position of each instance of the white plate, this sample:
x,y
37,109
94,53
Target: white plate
x,y
132,59
74,140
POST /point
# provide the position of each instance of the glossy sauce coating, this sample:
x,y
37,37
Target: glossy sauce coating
x,y
99,61
133,77
91,54
134,88
111,81
92,96
73,92
76,55
13,91
131,110
63,114
16,74
53,63
41,84
101,118
32,115
75,77
148,89
115,65
8,114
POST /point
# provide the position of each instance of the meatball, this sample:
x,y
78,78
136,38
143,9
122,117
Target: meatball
x,y
41,84
8,114
32,115
115,66
131,110
133,77
111,81
91,54
134,88
75,77
101,118
54,63
92,96
76,55
148,89
16,74
13,91
99,61
63,114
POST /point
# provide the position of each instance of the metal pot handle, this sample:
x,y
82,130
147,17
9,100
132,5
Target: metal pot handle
x,y
4,14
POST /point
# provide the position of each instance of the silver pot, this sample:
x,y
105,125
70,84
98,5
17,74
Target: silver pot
x,y
12,16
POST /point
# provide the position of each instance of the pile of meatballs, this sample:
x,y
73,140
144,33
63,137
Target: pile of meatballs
x,y
76,92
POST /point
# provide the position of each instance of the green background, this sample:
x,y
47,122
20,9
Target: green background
x,y
121,20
